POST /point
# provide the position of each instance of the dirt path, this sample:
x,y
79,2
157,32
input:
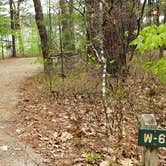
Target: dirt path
x,y
12,72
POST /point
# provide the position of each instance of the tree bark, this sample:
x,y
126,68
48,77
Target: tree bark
x,y
41,28
50,19
71,26
12,17
67,31
18,27
164,14
149,13
93,26
119,18
114,37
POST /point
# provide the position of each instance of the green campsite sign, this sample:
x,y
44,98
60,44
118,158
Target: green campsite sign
x,y
152,137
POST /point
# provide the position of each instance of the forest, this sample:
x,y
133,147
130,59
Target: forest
x,y
83,82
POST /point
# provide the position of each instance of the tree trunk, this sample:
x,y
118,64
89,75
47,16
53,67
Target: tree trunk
x,y
165,14
71,26
18,27
50,19
2,48
114,40
67,31
39,17
93,26
119,18
41,28
61,51
149,13
12,17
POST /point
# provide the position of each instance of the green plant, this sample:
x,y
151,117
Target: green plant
x,y
158,68
91,158
150,38
111,163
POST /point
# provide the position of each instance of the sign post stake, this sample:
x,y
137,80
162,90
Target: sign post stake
x,y
149,156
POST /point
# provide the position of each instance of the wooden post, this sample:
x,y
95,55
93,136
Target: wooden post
x,y
149,155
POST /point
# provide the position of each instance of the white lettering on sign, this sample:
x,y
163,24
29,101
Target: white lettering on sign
x,y
148,138
161,138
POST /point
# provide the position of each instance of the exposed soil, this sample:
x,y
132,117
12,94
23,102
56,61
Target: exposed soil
x,y
12,73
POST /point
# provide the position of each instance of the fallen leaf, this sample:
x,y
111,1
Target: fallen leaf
x,y
4,148
66,136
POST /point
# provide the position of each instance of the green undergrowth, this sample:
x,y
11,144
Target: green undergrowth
x,y
157,68
93,158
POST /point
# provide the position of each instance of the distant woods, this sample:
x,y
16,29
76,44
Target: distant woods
x,y
18,32
105,26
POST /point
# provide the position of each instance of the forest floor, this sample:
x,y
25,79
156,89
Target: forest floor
x,y
12,151
67,124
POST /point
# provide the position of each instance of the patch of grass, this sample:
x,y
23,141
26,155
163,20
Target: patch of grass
x,y
92,158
